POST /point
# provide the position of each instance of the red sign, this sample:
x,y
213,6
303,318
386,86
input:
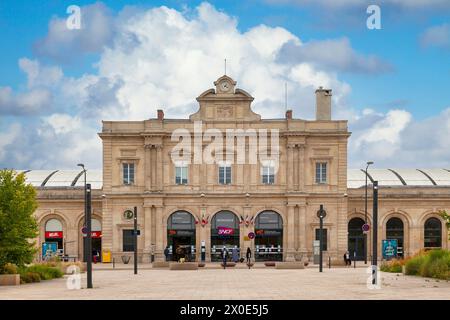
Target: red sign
x,y
224,231
53,234
94,234
172,232
260,231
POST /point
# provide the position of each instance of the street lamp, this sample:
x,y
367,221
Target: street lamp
x,y
365,215
85,211
321,214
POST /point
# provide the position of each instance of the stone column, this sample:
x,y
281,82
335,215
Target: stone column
x,y
159,167
154,169
148,232
159,251
301,168
302,229
289,167
290,252
148,168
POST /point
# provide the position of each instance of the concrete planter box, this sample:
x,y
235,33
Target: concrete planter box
x,y
229,264
289,265
9,279
160,264
184,266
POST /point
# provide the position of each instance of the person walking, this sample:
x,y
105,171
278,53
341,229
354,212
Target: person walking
x,y
248,256
166,253
347,260
235,255
224,257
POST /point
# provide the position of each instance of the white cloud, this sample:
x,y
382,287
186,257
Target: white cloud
x,y
437,36
410,4
64,44
333,54
163,58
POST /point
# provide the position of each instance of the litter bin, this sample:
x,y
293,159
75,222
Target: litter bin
x,y
106,256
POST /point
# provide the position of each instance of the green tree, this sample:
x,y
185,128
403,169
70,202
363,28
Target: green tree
x,y
18,227
446,217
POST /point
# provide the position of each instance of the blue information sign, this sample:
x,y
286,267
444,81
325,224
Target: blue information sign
x,y
389,248
49,249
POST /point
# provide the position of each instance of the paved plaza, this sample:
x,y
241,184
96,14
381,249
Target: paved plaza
x,y
234,283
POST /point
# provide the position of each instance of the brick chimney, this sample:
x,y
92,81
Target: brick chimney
x,y
160,115
323,104
289,115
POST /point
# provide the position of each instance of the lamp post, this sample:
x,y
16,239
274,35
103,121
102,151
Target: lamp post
x,y
88,237
135,242
375,232
85,212
321,214
365,215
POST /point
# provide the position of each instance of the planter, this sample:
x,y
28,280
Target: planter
x,y
9,279
229,264
201,265
125,259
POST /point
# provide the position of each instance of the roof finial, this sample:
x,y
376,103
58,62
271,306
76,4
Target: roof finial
x,y
225,66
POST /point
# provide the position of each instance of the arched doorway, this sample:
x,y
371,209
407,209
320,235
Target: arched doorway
x,y
181,234
224,233
356,238
394,231
269,236
54,234
433,233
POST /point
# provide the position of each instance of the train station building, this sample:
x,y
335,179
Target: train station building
x,y
192,191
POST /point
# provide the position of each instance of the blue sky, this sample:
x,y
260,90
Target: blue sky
x,y
406,88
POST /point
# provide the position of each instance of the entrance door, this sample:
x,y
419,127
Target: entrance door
x,y
269,237
356,238
224,233
181,236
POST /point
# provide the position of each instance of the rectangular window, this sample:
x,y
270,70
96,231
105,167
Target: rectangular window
x,y
325,242
321,172
224,174
268,174
181,175
128,240
128,173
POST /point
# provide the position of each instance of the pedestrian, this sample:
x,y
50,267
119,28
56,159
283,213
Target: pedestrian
x,y
248,255
224,257
179,253
166,253
347,260
235,255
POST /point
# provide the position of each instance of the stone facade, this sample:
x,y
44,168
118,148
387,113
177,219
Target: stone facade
x,y
295,193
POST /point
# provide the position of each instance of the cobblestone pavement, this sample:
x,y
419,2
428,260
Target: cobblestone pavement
x,y
214,283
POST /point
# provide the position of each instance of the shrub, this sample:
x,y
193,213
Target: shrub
x,y
46,272
394,266
29,277
9,268
413,265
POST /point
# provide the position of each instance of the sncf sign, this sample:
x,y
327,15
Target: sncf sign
x,y
224,231
53,234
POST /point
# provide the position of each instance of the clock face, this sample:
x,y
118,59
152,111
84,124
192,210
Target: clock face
x,y
225,86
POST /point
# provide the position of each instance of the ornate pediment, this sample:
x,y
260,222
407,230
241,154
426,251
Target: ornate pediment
x,y
225,102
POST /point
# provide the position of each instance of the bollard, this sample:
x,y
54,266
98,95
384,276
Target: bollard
x,y
354,259
329,262
114,263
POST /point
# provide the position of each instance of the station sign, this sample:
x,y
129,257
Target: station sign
x,y
225,231
53,234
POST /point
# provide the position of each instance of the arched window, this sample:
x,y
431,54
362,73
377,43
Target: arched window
x,y
181,220
394,230
181,236
224,233
269,236
53,225
433,233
